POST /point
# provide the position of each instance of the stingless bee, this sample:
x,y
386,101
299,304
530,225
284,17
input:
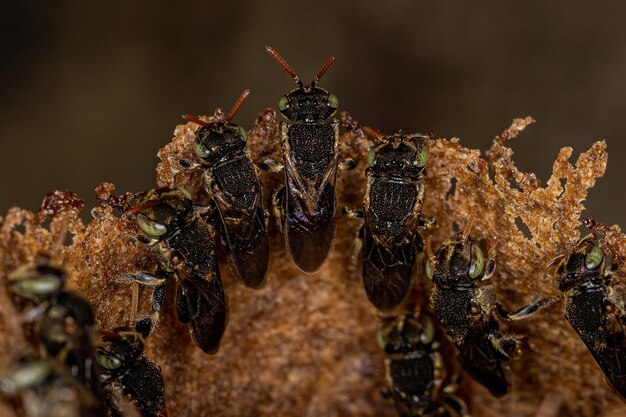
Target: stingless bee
x,y
185,244
231,180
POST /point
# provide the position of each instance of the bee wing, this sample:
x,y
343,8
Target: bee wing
x,y
483,361
206,308
387,272
603,335
610,354
246,239
310,219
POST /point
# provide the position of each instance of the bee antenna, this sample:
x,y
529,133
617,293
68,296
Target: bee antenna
x,y
327,65
554,262
429,249
468,227
195,120
134,303
373,134
238,104
283,64
141,207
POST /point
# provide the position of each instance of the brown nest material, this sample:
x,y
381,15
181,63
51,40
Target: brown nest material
x,y
305,345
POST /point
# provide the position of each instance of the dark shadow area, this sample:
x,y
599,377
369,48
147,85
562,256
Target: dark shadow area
x,y
90,91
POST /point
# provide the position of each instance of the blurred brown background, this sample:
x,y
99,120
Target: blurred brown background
x,y
91,90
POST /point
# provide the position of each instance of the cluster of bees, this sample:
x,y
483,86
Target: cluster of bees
x,y
113,373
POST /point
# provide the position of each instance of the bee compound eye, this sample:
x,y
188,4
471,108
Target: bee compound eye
x,y
371,158
243,133
283,103
149,226
422,157
30,374
107,360
199,149
40,284
477,262
333,101
594,257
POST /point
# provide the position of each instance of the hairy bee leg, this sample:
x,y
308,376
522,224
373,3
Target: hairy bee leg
x,y
507,345
270,165
147,325
113,394
278,206
527,310
347,164
143,278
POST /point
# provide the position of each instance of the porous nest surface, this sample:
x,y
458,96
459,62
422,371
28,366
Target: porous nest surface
x,y
305,345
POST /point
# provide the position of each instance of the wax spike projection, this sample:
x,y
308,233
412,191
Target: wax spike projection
x,y
305,345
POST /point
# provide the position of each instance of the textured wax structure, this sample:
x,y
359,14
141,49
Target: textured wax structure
x,y
306,345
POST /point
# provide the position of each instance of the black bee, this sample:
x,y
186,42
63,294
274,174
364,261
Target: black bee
x,y
47,391
595,307
62,321
416,377
467,310
186,248
127,373
232,181
306,204
392,209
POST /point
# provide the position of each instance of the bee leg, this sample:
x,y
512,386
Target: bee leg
x,y
455,406
270,165
356,249
187,164
143,278
207,212
146,325
113,394
440,370
347,164
358,240
617,296
278,206
505,345
453,385
527,310
426,222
